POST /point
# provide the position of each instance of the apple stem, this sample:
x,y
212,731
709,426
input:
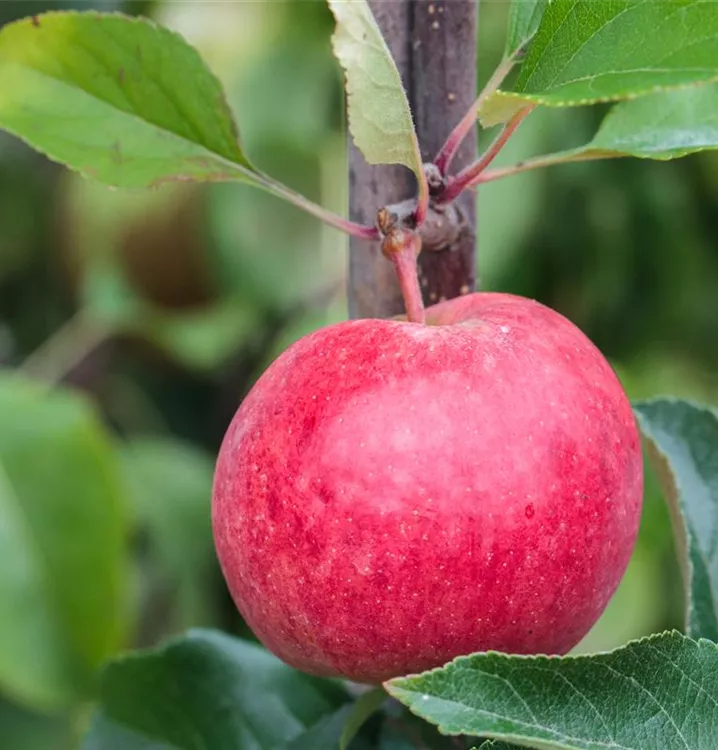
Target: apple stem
x,y
472,174
448,150
402,246
407,271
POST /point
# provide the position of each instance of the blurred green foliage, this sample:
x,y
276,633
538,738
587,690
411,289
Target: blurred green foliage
x,y
162,308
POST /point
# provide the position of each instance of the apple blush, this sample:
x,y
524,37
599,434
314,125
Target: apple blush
x,y
391,495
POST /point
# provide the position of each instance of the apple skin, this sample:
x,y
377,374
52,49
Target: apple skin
x,y
391,495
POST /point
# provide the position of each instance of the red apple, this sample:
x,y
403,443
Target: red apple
x,y
391,495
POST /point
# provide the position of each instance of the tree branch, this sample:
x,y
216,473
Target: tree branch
x,y
434,46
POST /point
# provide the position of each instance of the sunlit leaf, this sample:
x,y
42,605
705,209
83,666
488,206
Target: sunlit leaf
x,y
524,19
379,116
61,543
119,99
586,51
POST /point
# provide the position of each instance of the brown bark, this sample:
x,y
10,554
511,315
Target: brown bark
x,y
434,46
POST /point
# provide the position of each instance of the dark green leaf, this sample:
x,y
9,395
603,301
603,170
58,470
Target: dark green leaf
x,y
25,730
586,51
61,541
401,730
202,338
362,709
325,734
208,690
524,19
660,692
683,445
170,489
119,99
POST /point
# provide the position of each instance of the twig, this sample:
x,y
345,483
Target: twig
x,y
448,150
66,349
471,175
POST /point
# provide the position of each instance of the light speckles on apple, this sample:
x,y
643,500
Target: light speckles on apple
x,y
384,502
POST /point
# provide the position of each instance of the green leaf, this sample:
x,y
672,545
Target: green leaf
x,y
379,115
683,445
401,730
208,690
586,52
170,489
524,19
325,734
660,692
119,99
662,126
203,338
25,730
61,542
362,709
124,101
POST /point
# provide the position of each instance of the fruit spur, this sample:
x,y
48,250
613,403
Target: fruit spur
x,y
393,494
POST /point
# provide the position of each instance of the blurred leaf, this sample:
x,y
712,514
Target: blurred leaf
x,y
292,58
524,19
121,100
660,692
101,224
379,115
32,663
12,10
208,690
170,488
266,252
586,52
363,708
402,730
25,730
682,440
62,547
325,734
201,339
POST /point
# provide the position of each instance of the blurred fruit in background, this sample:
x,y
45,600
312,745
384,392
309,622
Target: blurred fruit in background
x,y
161,309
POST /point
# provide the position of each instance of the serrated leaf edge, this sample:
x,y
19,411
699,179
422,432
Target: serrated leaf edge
x,y
247,170
540,100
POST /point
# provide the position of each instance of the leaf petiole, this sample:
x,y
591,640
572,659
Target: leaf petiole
x,y
451,146
472,174
361,231
549,160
